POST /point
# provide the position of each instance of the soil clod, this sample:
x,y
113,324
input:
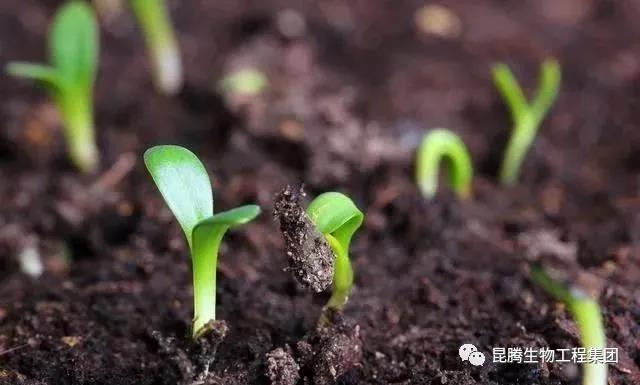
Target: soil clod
x,y
310,257
282,368
330,351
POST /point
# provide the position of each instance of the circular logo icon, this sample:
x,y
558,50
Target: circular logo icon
x,y
468,352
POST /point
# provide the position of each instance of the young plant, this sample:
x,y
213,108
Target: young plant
x,y
318,240
586,313
248,81
166,64
436,145
526,116
69,79
186,188
337,218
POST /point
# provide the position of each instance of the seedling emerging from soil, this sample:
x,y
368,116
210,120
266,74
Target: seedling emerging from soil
x,y
248,81
318,242
73,53
337,218
436,145
185,187
586,313
166,64
526,116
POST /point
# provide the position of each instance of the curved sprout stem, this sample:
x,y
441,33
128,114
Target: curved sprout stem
x,y
442,144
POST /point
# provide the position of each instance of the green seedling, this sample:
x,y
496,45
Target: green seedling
x,y
436,145
587,316
69,79
526,116
186,188
248,81
317,242
337,218
166,63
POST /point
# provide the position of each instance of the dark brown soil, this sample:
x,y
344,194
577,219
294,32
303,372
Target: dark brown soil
x,y
348,100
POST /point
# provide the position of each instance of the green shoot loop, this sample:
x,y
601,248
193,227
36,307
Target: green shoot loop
x,y
437,145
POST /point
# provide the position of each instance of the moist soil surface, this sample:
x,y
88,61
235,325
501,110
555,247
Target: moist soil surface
x,y
352,88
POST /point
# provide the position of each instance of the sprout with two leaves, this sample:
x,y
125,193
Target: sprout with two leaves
x,y
186,188
69,79
526,116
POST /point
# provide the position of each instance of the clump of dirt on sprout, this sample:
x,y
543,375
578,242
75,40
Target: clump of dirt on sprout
x,y
310,257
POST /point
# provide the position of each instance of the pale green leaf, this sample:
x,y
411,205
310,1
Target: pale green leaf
x,y
40,72
336,214
510,90
73,43
183,183
208,233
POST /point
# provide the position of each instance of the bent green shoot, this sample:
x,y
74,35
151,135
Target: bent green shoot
x,y
526,116
186,188
337,218
587,316
166,63
443,144
69,79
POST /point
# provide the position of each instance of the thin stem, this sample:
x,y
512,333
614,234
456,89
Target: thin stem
x,y
153,17
342,279
204,285
522,137
77,112
587,316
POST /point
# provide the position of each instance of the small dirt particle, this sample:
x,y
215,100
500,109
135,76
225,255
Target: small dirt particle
x,y
282,369
310,257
